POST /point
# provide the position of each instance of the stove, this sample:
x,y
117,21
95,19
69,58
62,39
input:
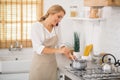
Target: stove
x,y
94,74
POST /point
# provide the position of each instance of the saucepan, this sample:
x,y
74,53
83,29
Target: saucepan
x,y
78,64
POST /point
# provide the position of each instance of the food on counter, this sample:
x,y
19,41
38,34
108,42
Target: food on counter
x,y
88,49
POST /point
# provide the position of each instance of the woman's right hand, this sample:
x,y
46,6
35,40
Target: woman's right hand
x,y
67,52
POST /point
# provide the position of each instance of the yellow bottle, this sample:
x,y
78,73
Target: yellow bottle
x,y
88,49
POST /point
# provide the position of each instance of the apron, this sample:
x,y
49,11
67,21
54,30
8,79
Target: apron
x,y
44,66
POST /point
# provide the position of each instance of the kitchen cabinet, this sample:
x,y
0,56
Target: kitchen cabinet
x,y
98,3
15,65
67,78
15,76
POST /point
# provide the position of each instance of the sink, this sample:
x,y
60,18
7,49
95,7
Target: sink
x,y
6,55
15,57
15,62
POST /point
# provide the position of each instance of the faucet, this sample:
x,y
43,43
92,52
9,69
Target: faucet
x,y
16,47
16,44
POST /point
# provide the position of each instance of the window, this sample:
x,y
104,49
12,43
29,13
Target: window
x,y
16,18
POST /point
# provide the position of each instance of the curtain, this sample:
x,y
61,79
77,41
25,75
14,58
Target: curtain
x,y
16,18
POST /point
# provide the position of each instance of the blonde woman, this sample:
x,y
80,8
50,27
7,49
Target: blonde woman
x,y
45,36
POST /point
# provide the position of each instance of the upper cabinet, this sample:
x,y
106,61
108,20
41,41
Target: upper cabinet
x,y
101,3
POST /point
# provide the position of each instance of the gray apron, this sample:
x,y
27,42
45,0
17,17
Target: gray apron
x,y
44,66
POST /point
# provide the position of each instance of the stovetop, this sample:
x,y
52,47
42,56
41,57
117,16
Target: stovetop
x,y
94,74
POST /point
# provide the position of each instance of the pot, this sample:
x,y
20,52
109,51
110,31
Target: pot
x,y
79,64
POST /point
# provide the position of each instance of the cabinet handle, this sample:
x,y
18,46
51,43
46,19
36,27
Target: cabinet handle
x,y
61,76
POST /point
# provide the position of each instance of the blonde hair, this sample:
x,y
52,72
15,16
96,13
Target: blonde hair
x,y
52,10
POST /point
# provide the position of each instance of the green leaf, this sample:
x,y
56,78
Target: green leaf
x,y
76,42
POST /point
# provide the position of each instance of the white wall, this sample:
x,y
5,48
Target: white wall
x,y
110,35
68,26
104,34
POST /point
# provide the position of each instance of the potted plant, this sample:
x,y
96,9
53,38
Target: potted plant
x,y
76,42
76,45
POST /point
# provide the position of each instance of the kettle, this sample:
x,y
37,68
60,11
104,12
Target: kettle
x,y
107,67
107,64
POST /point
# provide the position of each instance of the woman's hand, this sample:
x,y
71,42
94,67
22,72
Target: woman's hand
x,y
67,52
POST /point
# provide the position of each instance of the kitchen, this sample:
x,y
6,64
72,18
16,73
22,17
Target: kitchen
x,y
102,32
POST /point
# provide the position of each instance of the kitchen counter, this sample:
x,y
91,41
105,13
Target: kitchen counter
x,y
68,74
85,75
63,65
91,73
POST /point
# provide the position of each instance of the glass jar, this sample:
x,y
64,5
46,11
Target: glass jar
x,y
73,11
95,12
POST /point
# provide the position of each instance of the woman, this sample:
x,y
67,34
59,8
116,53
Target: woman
x,y
44,39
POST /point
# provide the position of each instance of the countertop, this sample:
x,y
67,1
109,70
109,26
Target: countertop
x,y
68,74
84,75
64,67
67,71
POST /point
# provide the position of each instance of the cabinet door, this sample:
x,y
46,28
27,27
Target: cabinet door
x,y
102,2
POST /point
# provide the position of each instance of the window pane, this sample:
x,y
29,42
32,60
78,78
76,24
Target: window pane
x,y
29,12
12,13
27,30
13,31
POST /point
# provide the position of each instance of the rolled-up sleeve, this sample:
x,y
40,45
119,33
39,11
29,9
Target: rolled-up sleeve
x,y
38,48
36,37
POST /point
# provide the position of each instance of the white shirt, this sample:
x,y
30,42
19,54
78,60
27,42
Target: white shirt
x,y
37,36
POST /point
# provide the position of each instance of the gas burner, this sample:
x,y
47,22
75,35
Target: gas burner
x,y
94,73
78,73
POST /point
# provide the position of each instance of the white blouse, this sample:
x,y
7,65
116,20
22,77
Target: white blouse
x,y
37,36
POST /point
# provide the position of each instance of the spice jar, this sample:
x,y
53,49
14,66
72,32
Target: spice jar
x,y
95,12
73,11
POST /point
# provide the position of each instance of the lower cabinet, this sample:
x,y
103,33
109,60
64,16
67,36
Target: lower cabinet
x,y
63,77
15,76
67,78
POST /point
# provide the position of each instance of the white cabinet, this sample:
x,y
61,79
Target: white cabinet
x,y
61,75
15,76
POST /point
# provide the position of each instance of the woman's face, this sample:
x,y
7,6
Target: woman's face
x,y
56,18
